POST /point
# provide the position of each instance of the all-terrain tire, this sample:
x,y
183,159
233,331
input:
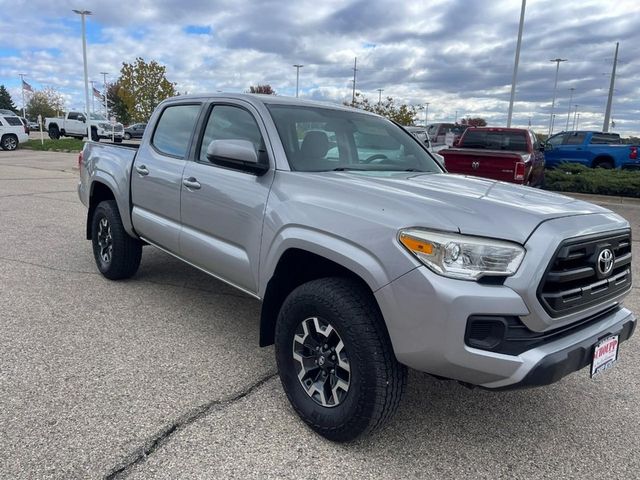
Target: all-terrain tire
x,y
94,135
9,142
54,133
376,379
116,253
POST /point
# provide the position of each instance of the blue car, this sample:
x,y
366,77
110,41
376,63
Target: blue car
x,y
591,149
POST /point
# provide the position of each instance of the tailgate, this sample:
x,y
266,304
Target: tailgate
x,y
494,164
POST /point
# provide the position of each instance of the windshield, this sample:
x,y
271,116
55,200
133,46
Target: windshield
x,y
319,139
492,140
97,116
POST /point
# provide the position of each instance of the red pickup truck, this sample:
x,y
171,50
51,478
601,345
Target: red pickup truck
x,y
509,154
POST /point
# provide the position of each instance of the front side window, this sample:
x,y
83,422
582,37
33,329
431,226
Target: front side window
x,y
227,122
323,139
74,116
174,129
556,140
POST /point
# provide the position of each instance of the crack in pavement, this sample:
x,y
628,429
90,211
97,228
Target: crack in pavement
x,y
152,444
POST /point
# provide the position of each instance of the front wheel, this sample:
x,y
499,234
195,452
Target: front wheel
x,y
94,135
116,253
127,136
335,359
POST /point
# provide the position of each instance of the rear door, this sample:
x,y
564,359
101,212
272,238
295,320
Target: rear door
x,y
222,206
156,179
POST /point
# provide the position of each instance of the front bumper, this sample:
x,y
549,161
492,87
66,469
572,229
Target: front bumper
x,y
427,314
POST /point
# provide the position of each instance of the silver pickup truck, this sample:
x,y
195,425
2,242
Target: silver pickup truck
x,y
367,256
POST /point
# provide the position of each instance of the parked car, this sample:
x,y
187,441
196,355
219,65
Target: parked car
x,y
34,126
439,133
74,124
592,149
420,133
12,131
134,131
365,264
509,154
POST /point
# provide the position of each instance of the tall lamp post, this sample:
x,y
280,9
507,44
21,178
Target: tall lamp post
x,y
426,114
515,64
83,14
572,89
607,113
380,90
298,67
555,89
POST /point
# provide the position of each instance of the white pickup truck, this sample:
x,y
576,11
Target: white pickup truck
x,y
74,124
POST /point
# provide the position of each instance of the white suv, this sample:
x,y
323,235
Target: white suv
x,y
12,130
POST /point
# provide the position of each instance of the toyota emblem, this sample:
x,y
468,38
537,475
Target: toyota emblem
x,y
605,262
475,165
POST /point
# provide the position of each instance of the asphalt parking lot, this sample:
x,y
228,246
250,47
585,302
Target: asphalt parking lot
x,y
161,376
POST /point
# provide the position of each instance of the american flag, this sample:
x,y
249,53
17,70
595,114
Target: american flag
x,y
26,86
96,93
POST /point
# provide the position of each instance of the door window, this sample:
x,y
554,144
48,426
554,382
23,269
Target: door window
x,y
227,122
174,129
556,140
575,138
73,116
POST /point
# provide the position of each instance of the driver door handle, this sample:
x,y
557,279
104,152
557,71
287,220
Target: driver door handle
x,y
191,183
142,170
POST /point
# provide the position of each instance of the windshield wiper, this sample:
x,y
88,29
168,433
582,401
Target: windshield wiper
x,y
344,169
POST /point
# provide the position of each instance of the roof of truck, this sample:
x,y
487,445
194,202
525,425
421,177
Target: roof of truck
x,y
267,99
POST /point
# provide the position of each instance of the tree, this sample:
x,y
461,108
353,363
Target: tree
x,y
403,114
46,102
142,86
6,103
474,122
116,105
262,89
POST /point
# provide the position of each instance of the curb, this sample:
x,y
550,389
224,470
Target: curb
x,y
630,201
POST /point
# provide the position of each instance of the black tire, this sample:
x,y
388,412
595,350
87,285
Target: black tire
x,y
125,251
127,136
117,140
9,142
94,135
376,381
603,163
54,133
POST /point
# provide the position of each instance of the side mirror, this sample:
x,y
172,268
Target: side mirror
x,y
239,154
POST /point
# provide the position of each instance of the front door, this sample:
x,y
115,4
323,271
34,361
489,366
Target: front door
x,y
223,207
156,179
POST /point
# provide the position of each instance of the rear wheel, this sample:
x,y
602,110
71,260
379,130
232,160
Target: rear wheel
x,y
94,135
603,163
54,133
9,142
335,359
127,136
116,253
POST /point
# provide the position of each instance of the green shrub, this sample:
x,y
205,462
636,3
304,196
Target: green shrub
x,y
572,177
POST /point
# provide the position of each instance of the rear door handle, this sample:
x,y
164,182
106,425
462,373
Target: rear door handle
x,y
142,170
191,183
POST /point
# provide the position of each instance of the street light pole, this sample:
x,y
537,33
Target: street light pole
x,y
104,83
572,89
83,14
426,115
24,108
515,64
298,67
555,90
93,96
380,90
575,113
607,113
355,69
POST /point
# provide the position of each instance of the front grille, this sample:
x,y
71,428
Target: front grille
x,y
573,281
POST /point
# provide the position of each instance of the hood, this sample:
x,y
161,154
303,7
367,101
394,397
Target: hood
x,y
470,205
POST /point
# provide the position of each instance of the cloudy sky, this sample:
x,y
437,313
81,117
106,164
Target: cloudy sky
x,y
455,54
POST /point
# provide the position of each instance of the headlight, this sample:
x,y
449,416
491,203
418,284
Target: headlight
x,y
462,256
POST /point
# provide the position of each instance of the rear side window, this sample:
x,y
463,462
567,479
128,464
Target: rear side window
x,y
605,139
13,121
174,129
